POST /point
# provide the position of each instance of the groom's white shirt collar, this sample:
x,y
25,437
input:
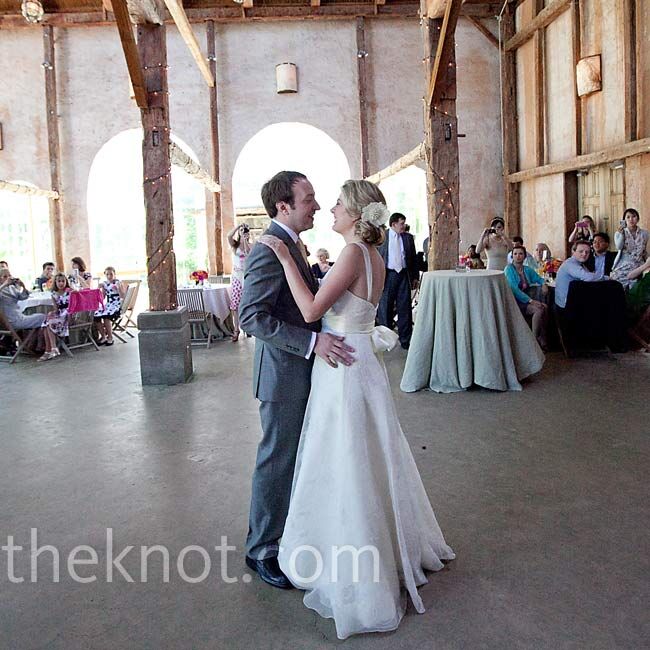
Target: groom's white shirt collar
x,y
287,230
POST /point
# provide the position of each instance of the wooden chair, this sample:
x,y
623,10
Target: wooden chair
x,y
198,317
80,327
23,341
126,312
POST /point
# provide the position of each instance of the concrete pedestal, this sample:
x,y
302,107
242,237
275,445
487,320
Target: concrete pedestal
x,y
165,347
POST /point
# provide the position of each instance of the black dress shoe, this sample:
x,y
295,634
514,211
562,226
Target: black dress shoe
x,y
269,571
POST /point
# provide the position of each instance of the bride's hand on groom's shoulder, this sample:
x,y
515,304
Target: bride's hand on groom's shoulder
x,y
333,350
276,245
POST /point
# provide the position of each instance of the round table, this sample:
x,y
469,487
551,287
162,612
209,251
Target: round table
x,y
37,299
217,301
469,330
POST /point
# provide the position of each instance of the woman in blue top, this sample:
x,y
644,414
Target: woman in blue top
x,y
521,278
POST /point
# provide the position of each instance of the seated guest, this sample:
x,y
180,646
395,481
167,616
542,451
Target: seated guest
x,y
114,292
574,269
12,290
603,258
530,260
522,279
632,243
56,322
80,277
3,264
474,259
45,281
323,265
583,230
542,253
638,297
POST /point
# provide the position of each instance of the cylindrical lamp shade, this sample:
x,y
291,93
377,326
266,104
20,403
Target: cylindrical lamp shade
x,y
286,77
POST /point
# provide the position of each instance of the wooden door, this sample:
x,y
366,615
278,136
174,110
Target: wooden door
x,y
601,195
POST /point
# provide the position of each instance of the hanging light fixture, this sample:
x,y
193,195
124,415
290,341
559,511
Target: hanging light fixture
x,y
32,11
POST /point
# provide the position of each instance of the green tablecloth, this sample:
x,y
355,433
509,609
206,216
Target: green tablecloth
x,y
469,330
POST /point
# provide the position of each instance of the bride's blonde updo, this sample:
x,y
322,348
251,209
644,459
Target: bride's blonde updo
x,y
355,196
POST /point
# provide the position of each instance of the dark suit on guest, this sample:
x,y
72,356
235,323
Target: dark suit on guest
x,y
397,288
610,258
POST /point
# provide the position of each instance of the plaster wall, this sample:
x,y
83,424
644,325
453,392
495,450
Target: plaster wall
x,y
94,104
637,186
526,102
542,212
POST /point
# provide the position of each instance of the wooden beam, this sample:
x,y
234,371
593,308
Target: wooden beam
x,y
441,142
53,144
445,47
156,167
484,30
215,237
314,3
577,55
247,4
362,89
18,188
619,152
509,124
630,62
180,18
143,12
543,19
408,159
540,92
130,49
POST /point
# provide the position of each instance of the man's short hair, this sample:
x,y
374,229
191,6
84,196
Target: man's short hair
x,y
603,235
517,240
395,217
279,188
574,248
48,264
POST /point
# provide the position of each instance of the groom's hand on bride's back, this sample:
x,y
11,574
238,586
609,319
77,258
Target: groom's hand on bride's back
x,y
333,350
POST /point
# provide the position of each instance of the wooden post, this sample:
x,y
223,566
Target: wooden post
x,y
54,148
215,237
362,82
441,138
577,55
630,60
161,261
540,90
510,124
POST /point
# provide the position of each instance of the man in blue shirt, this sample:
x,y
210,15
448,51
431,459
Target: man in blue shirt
x,y
574,269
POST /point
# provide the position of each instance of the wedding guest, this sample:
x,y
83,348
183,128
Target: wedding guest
x,y
12,290
3,264
522,279
323,265
45,281
426,244
80,276
542,253
574,268
638,297
56,322
398,252
114,292
496,244
530,260
602,258
475,261
631,242
239,239
584,230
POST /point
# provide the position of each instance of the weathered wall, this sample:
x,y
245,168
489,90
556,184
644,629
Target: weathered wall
x,y
542,213
94,104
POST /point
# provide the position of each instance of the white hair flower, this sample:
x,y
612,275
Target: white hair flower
x,y
376,214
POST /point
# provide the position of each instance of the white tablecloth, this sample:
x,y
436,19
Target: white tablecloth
x,y
469,330
217,301
36,299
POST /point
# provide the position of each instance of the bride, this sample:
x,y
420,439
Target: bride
x,y
360,532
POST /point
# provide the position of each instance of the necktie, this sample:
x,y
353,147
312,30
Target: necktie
x,y
395,252
303,250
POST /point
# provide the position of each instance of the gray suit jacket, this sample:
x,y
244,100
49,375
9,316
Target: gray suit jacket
x,y
269,312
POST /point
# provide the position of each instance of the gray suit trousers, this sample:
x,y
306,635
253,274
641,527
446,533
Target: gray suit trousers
x,y
273,475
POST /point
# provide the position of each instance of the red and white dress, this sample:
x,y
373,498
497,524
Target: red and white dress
x,y
237,277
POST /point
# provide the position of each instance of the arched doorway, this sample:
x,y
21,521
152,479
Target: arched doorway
x,y
116,217
25,237
298,147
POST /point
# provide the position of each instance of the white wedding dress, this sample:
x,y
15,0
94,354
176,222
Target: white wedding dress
x,y
356,485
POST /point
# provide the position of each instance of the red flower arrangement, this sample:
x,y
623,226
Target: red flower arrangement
x,y
199,276
551,266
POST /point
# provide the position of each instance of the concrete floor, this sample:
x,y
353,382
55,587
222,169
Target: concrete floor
x,y
543,495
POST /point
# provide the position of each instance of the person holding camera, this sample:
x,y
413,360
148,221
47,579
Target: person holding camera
x,y
239,239
584,230
632,243
496,245
12,290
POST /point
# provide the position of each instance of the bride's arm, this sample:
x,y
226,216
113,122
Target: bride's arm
x,y
339,278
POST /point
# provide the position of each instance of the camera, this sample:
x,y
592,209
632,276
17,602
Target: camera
x,y
244,229
492,231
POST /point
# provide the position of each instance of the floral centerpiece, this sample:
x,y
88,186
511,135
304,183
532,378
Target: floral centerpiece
x,y
199,276
550,267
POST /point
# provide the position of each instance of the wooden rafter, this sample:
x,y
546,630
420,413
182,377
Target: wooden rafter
x,y
413,156
18,188
445,46
484,30
130,49
146,12
541,20
182,23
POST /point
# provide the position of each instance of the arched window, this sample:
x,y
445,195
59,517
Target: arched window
x,y
116,216
25,238
296,147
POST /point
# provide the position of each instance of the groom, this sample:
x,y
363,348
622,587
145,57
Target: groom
x,y
284,351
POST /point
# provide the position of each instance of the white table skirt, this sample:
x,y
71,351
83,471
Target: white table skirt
x,y
37,299
469,330
217,301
